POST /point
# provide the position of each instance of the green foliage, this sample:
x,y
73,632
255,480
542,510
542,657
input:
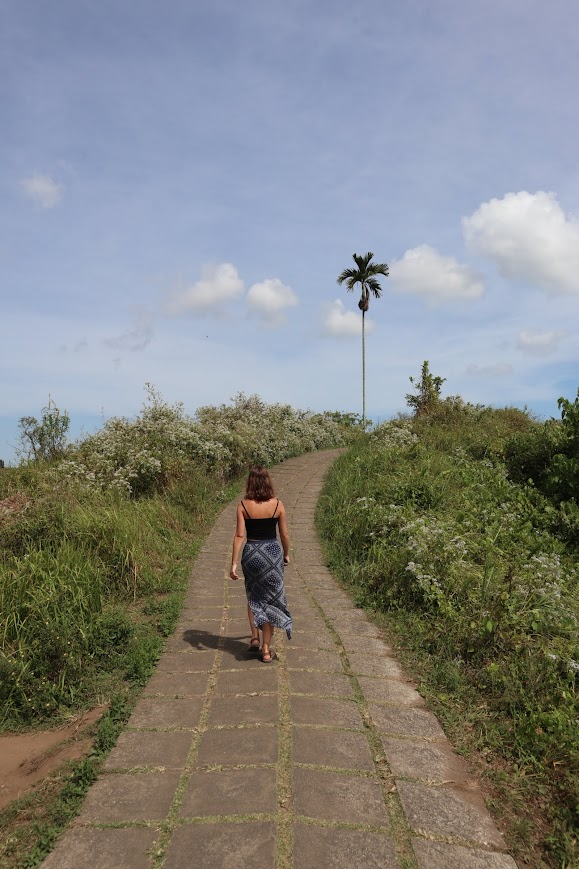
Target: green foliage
x,y
427,395
548,457
44,440
564,476
422,519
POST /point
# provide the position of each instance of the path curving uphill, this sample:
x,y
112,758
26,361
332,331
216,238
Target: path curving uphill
x,y
328,757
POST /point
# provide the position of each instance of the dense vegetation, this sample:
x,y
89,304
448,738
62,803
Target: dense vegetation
x,y
459,528
96,543
96,539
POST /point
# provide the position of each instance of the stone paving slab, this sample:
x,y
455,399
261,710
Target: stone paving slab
x,y
367,646
186,662
160,712
390,691
220,739
322,712
303,659
426,761
375,665
312,641
321,684
167,750
115,798
448,812
244,710
230,792
249,681
331,748
216,846
206,636
406,721
333,797
317,847
102,849
249,745
359,631
433,855
236,657
177,684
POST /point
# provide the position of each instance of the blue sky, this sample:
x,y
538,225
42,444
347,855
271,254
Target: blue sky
x,y
182,183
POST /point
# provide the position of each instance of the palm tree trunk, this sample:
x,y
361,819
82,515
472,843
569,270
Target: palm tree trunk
x,y
363,372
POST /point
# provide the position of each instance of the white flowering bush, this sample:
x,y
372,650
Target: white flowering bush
x,y
396,433
138,457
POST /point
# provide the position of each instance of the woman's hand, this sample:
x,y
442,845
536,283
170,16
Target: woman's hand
x,y
286,559
233,571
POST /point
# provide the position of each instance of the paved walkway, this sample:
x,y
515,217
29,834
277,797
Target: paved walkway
x,y
327,757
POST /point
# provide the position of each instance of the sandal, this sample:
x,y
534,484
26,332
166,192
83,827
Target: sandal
x,y
267,657
254,644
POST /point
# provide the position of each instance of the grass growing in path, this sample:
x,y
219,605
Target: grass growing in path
x,y
421,520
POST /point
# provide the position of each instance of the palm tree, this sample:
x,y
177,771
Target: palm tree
x,y
365,275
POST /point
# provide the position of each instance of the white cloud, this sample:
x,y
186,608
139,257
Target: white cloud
x,y
269,299
42,189
530,239
340,322
499,369
423,270
540,343
219,286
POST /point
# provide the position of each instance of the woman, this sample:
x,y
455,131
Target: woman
x,y
258,516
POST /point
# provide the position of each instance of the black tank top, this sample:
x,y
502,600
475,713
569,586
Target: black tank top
x,y
261,529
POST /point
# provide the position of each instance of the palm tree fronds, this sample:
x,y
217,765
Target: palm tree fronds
x,y
374,287
349,277
362,261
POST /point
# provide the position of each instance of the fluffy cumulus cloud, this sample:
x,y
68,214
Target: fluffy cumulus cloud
x,y
269,300
339,322
219,286
498,369
42,190
529,238
540,343
437,278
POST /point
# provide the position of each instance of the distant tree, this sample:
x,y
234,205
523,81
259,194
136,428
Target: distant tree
x,y
365,275
427,391
44,440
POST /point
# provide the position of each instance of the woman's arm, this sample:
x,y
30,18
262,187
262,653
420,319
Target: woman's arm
x,y
283,533
238,542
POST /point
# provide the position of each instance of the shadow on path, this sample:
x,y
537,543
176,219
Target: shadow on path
x,y
237,647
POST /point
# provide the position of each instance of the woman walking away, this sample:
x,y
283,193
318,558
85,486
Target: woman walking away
x,y
263,559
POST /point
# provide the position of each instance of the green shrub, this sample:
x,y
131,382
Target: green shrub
x,y
421,518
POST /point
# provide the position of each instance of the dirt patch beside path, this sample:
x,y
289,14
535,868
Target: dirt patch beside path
x,y
26,759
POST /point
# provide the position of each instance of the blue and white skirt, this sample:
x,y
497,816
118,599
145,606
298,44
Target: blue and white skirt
x,y
262,565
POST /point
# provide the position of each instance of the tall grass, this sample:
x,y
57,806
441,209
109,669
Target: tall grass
x,y
421,519
76,584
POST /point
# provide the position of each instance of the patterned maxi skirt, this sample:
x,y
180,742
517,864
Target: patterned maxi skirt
x,y
262,564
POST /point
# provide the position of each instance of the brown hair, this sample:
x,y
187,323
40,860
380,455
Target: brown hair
x,y
259,486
